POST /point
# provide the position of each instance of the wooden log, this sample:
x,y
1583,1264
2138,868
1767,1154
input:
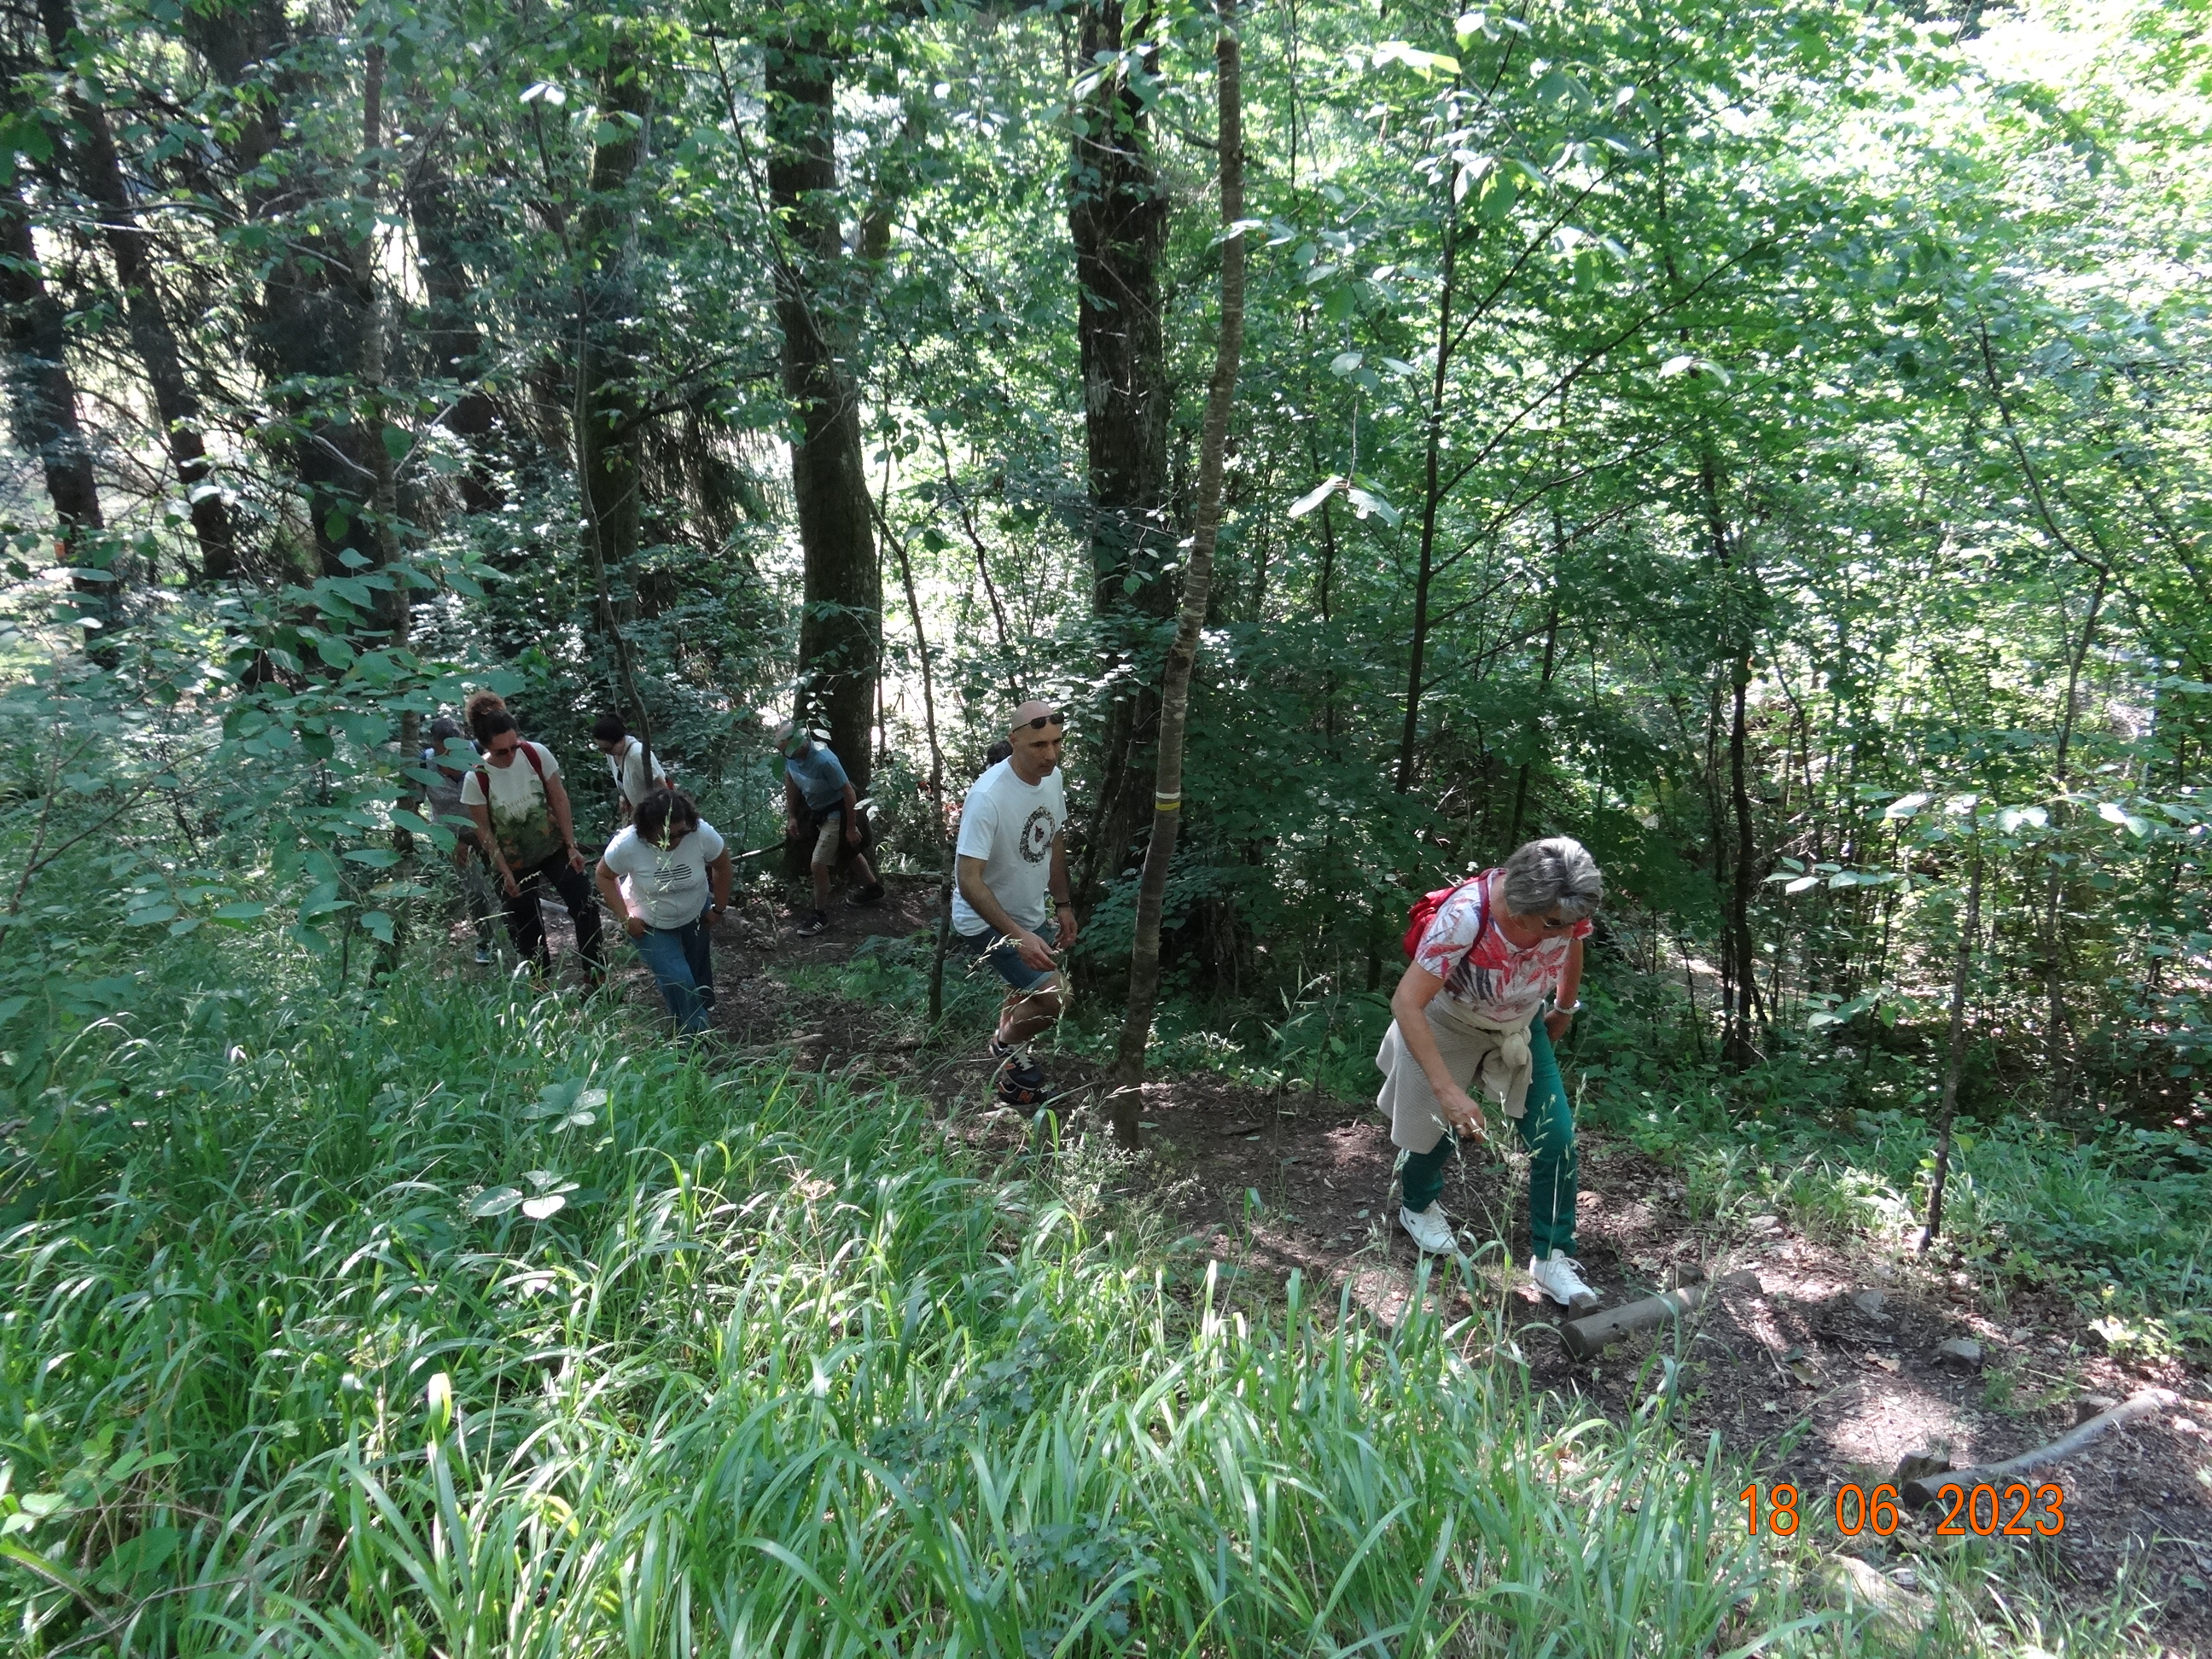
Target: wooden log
x,y
1923,1491
1587,1335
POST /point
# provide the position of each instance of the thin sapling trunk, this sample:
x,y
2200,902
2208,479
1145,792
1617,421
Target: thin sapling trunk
x,y
1126,1078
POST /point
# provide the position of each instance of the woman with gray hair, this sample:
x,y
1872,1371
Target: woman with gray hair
x,y
1468,1014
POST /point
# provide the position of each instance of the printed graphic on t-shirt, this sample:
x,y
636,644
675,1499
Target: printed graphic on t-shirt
x,y
1036,835
521,812
1481,968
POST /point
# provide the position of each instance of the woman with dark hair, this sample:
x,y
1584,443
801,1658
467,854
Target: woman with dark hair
x,y
521,807
481,705
667,876
636,774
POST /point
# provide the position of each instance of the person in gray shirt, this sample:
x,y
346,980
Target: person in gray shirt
x,y
821,802
446,759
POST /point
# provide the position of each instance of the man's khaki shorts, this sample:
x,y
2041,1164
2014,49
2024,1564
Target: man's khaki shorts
x,y
830,837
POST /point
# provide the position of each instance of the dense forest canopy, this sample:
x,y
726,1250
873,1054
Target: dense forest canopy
x,y
1771,443
1743,441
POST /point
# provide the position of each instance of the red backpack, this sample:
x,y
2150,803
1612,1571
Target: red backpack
x,y
1424,912
529,753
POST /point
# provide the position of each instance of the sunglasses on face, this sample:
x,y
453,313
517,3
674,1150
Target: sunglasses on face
x,y
499,753
1554,924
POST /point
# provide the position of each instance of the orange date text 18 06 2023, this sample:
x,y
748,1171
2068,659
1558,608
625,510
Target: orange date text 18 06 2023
x,y
2016,1510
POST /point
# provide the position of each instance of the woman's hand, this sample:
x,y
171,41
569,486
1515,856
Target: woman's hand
x,y
575,860
506,877
1460,1111
1556,1022
634,925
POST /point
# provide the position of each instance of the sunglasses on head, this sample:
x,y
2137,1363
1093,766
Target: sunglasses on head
x,y
1044,720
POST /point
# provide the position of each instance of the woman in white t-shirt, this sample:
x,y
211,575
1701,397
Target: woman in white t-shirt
x,y
668,878
636,774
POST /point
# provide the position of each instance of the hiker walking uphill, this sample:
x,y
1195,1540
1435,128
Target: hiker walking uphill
x,y
668,878
820,799
636,774
1012,852
446,759
521,811
1466,1012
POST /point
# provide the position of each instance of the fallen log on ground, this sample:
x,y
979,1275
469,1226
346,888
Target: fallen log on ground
x,y
1922,1493
1587,1335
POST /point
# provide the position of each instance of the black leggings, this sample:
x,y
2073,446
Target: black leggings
x,y
526,923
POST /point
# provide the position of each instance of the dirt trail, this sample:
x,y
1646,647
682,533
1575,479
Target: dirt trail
x,y
1826,1376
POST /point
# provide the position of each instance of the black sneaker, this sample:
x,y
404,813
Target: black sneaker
x,y
1021,1085
1019,1082
868,896
815,923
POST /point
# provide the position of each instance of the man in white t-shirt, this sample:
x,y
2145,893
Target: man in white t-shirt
x,y
636,774
1012,854
668,878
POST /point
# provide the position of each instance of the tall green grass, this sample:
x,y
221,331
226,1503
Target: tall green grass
x,y
449,1323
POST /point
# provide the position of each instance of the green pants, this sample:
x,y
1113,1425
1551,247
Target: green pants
x,y
1547,1130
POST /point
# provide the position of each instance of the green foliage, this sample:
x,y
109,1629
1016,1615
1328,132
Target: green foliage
x,y
294,1347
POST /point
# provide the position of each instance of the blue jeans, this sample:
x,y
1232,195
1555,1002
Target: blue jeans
x,y
682,963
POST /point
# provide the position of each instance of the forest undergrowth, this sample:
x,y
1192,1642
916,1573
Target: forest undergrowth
x,y
432,1319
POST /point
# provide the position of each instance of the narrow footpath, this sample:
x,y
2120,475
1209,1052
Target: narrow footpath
x,y
1831,1372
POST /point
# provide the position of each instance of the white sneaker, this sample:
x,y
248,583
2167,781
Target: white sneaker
x,y
1429,1229
1561,1280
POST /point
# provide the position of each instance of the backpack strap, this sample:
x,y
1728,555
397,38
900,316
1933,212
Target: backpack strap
x,y
529,753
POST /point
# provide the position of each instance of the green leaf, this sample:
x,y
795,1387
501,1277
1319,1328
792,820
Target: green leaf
x,y
498,1201
1364,502
2112,812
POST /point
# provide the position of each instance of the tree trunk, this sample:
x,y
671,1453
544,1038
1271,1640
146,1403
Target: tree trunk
x,y
2056,1060
1955,1056
1736,1047
843,588
1128,1071
936,778
455,346
608,409
304,328
99,172
42,401
1431,501
1118,217
1543,684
